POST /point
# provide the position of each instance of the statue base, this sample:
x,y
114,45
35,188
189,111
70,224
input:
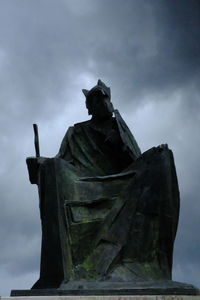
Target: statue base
x,y
104,288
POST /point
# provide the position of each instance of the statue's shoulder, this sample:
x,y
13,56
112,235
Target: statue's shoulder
x,y
82,124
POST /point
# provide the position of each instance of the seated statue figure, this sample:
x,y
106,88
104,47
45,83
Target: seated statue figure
x,y
109,214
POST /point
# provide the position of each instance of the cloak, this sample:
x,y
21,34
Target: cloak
x,y
109,213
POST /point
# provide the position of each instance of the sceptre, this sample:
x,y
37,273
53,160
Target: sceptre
x,y
36,140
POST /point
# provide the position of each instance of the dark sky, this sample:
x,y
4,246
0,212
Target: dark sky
x,y
148,52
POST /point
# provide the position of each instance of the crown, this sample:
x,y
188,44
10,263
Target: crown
x,y
99,87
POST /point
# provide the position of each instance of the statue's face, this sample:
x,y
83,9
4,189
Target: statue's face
x,y
100,106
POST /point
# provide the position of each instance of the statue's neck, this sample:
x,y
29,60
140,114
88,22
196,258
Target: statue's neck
x,y
101,119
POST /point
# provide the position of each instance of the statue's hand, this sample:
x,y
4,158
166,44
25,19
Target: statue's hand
x,y
33,164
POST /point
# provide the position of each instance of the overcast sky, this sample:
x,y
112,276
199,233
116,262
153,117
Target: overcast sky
x,y
148,52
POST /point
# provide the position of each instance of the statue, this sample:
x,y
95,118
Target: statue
x,y
109,214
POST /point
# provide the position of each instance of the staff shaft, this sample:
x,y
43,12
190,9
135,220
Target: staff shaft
x,y
36,140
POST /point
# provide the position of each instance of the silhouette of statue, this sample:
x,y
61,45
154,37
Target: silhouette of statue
x,y
109,214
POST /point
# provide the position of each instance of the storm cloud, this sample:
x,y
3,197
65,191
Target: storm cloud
x,y
148,52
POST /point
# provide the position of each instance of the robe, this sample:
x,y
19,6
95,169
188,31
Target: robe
x,y
109,213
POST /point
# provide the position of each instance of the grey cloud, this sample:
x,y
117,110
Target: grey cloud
x,y
165,59
41,52
139,48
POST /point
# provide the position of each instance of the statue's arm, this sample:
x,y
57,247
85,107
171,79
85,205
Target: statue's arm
x,y
33,165
64,151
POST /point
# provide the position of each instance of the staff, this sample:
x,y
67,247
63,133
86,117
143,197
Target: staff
x,y
36,140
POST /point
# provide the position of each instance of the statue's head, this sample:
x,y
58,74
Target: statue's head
x,y
98,101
